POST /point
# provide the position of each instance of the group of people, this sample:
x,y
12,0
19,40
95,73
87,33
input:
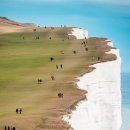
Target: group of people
x,y
60,95
19,111
9,128
57,66
39,81
84,44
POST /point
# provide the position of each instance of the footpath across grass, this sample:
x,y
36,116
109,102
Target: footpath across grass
x,y
25,58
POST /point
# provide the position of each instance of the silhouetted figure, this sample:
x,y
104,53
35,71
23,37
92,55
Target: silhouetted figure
x,y
35,30
57,66
14,128
39,81
84,43
50,38
61,66
20,111
60,95
99,58
52,77
45,27
5,127
17,110
8,128
74,52
51,58
86,49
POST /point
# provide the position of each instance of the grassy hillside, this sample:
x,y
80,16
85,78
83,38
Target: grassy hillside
x,y
25,59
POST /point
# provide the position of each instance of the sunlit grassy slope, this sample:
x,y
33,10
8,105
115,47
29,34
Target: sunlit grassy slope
x,y
24,59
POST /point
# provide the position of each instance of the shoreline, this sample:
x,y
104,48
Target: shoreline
x,y
80,107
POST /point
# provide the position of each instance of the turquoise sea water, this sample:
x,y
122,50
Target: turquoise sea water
x,y
100,17
125,101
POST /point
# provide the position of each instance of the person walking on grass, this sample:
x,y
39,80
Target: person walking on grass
x,y
8,128
52,77
13,128
57,66
20,111
61,66
5,127
17,110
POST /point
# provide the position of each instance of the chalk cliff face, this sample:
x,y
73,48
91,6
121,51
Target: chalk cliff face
x,y
79,33
102,108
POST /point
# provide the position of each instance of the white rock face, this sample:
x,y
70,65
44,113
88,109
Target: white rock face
x,y
102,108
79,33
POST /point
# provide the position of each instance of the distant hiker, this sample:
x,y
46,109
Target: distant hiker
x,y
8,128
86,49
60,95
5,127
17,110
20,111
39,81
61,66
52,77
13,128
45,27
51,58
57,66
74,52
99,58
35,30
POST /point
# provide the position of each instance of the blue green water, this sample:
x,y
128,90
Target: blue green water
x,y
126,89
102,18
125,101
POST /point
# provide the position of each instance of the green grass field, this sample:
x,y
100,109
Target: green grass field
x,y
23,61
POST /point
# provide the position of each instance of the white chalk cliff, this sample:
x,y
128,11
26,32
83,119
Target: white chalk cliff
x,y
79,33
102,108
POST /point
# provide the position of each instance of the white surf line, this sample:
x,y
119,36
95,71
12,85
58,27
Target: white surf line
x,y
102,108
